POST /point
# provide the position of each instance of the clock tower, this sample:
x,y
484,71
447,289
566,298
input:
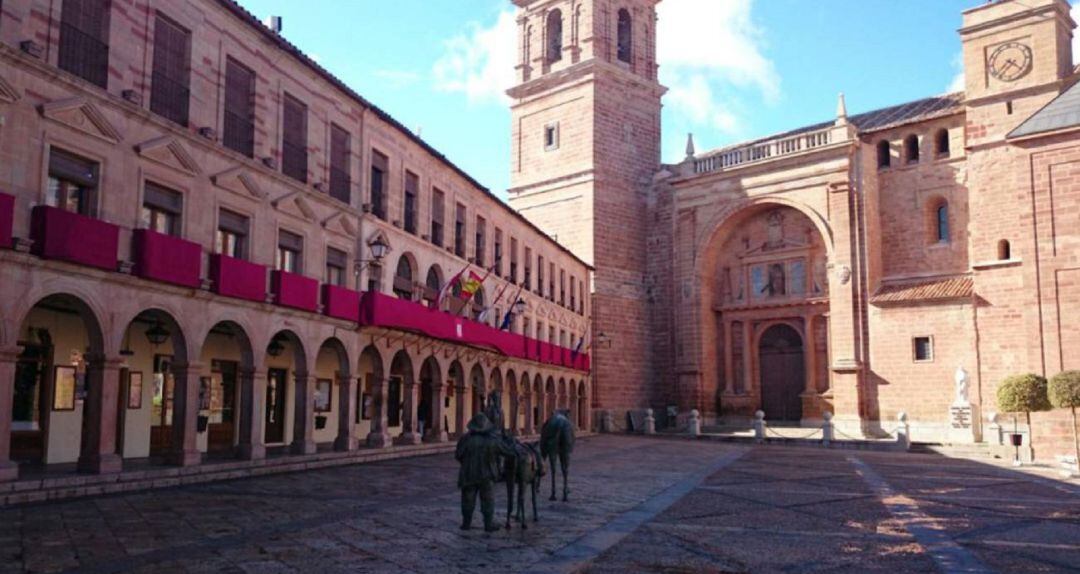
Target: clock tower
x,y
585,146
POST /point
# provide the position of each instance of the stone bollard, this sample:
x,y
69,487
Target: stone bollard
x,y
694,426
606,423
759,426
826,429
650,422
903,432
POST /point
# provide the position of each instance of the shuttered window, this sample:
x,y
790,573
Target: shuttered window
x,y
438,210
459,231
294,157
412,189
161,209
73,182
481,241
239,134
84,40
171,82
336,264
340,164
498,252
232,234
513,260
380,165
290,250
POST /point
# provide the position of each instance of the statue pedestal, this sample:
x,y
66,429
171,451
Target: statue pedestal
x,y
963,423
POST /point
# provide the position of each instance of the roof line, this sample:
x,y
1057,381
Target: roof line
x,y
234,7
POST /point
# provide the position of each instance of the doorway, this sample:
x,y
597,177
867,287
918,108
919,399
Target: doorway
x,y
162,408
30,401
221,431
783,373
276,385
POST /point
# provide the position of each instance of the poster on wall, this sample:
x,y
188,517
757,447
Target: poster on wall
x,y
365,411
135,389
323,395
64,388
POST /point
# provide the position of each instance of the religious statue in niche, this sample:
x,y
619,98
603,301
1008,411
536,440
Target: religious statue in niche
x,y
776,230
768,280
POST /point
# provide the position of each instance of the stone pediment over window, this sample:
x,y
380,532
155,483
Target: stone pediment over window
x,y
294,203
8,93
339,220
239,180
169,152
83,116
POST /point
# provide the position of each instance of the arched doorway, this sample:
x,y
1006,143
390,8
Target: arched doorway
x,y
783,373
370,370
456,409
154,346
478,390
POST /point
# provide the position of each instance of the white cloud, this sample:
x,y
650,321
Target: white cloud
x,y
480,64
957,83
398,78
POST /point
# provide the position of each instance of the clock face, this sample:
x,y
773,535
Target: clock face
x,y
1010,61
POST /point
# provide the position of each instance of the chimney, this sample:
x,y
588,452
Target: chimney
x,y
274,23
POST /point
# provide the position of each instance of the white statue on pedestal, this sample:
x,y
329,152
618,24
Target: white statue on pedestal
x,y
961,378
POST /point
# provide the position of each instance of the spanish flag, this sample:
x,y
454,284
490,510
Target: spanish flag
x,y
470,285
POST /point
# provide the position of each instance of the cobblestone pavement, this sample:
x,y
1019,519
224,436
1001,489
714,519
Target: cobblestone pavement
x,y
637,505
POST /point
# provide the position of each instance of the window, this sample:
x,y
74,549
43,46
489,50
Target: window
x,y
239,134
911,148
554,36
551,283
884,154
513,261
498,252
412,189
171,82
340,164
337,261
84,40
626,36
290,250
525,326
403,279
294,155
943,223
551,334
459,231
573,293
539,275
481,241
432,286
1004,250
562,287
161,209
551,136
380,165
438,208
528,269
232,234
73,183
923,349
941,144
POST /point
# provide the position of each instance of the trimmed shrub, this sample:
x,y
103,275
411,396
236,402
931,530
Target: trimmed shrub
x,y
1064,390
1023,394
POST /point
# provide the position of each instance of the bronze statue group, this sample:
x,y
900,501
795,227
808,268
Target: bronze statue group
x,y
489,454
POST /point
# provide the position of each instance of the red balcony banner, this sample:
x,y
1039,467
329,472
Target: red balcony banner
x,y
293,290
7,219
238,278
166,258
66,236
341,303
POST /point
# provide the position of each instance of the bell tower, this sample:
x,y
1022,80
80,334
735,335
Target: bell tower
x,y
585,146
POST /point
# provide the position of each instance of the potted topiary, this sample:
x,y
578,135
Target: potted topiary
x,y
1022,394
1064,393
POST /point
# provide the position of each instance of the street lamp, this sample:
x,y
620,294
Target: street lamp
x,y
379,248
603,341
157,334
275,348
519,306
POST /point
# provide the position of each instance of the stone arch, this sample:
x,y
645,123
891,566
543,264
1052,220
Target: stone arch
x,y
911,148
478,389
553,32
84,303
170,314
729,218
538,401
433,283
430,411
335,345
561,403
406,274
401,380
551,397
583,405
625,37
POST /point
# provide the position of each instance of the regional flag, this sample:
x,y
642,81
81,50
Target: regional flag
x,y
470,285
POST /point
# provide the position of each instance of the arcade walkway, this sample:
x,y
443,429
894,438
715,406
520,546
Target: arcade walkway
x,y
637,505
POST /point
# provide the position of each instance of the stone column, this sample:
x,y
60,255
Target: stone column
x,y
810,348
252,413
530,425
304,415
574,407
729,364
436,432
379,437
513,414
459,414
8,359
844,316
409,435
98,452
345,441
183,448
748,357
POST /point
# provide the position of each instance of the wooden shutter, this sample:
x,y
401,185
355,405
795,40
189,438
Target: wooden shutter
x,y
294,139
336,258
170,91
290,241
73,168
233,222
340,178
163,198
239,134
84,33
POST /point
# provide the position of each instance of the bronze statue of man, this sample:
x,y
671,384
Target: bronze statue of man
x,y
478,452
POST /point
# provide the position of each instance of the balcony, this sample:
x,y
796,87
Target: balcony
x,y
238,278
7,216
295,291
168,259
66,236
341,303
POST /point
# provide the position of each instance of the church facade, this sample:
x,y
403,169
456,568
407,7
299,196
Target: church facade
x,y
899,262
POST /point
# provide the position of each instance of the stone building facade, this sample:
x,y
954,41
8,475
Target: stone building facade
x,y
209,246
851,267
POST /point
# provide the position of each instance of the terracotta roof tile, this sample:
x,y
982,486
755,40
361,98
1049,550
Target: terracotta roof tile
x,y
924,291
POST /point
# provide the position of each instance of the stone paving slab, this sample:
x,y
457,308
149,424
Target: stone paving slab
x,y
637,505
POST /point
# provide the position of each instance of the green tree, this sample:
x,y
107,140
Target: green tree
x,y
1064,393
1023,394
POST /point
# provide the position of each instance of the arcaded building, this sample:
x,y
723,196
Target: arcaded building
x,y
212,248
852,266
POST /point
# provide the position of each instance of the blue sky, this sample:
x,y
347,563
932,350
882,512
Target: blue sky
x,y
737,69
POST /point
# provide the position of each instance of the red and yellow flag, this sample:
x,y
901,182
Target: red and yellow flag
x,y
470,285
